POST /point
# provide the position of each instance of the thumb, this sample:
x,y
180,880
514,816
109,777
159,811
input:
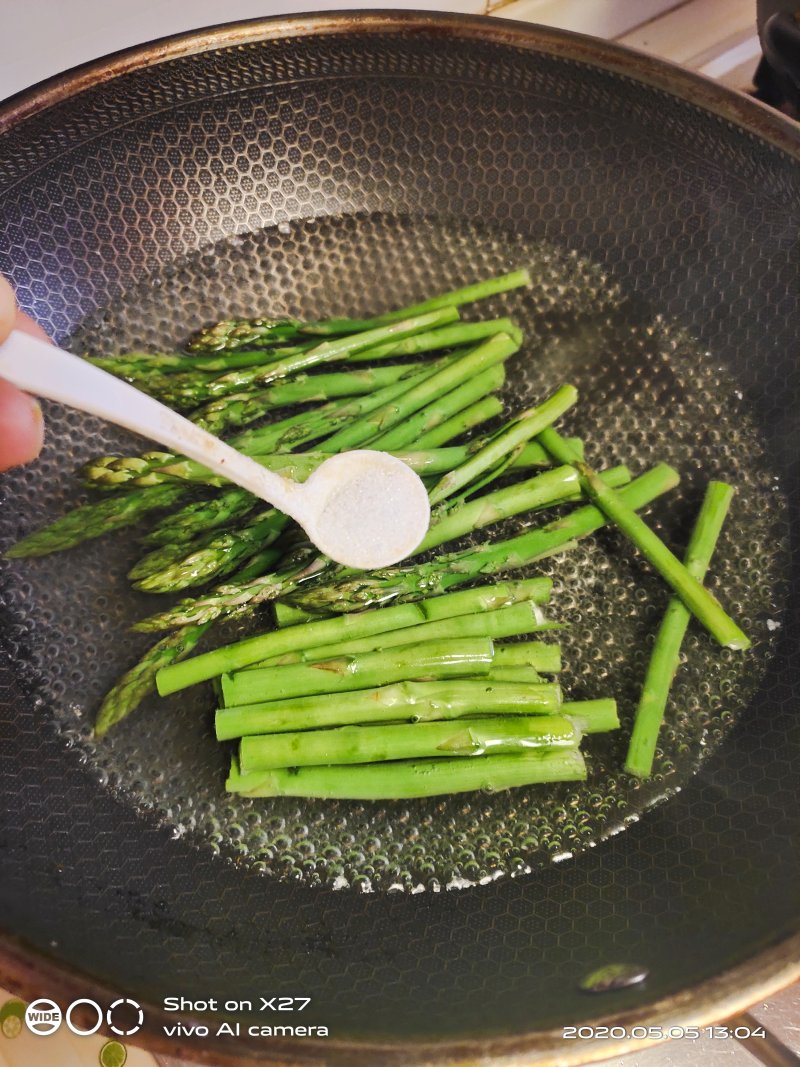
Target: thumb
x,y
21,427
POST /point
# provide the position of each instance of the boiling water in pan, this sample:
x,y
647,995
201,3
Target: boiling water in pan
x,y
648,393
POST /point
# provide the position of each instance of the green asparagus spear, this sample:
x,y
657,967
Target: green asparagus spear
x,y
398,433
327,351
459,333
666,651
231,334
182,526
481,411
494,351
220,555
325,631
405,779
455,658
467,295
517,433
141,366
93,520
399,702
409,583
523,617
139,681
703,605
466,738
239,409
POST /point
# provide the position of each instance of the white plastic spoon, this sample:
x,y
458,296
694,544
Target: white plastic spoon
x,y
362,508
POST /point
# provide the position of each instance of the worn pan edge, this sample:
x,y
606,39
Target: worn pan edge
x,y
26,971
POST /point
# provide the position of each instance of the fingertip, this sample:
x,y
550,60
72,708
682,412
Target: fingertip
x,y
21,427
28,325
8,308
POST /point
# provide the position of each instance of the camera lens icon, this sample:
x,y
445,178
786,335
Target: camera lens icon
x,y
43,1017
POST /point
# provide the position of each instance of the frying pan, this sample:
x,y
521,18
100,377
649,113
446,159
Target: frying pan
x,y
349,163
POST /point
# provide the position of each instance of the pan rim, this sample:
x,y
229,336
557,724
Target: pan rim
x,y
25,969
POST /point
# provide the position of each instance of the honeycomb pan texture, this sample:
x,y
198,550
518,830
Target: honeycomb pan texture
x,y
344,175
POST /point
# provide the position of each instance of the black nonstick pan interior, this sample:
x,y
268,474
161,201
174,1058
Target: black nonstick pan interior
x,y
351,164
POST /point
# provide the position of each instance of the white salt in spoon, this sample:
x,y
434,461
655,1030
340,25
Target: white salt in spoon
x,y
362,508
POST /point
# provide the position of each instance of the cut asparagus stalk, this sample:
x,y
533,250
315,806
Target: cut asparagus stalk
x,y
519,618
415,778
459,333
402,701
592,716
365,670
327,351
702,604
517,433
665,658
541,655
469,294
488,354
377,744
454,568
325,631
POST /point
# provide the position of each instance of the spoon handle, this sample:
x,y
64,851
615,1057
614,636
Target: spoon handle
x,y
47,371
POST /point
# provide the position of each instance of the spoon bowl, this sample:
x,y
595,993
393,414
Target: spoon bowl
x,y
366,507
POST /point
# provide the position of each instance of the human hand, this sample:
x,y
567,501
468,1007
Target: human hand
x,y
21,424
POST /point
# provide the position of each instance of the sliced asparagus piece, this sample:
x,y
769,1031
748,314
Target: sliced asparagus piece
x,y
702,604
403,701
325,631
469,294
405,779
453,658
410,583
665,657
377,744
517,433
515,619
